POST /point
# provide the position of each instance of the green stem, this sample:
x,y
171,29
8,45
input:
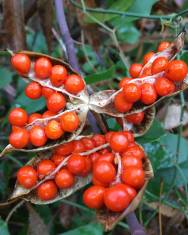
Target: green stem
x,y
130,14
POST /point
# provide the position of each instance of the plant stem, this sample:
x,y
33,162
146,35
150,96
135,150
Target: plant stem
x,y
130,14
135,227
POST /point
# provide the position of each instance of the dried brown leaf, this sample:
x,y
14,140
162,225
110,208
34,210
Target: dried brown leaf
x,y
110,219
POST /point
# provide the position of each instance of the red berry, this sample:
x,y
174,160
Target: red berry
x,y
98,182
116,198
18,117
124,82
65,149
56,102
88,166
108,135
93,197
57,159
88,143
94,156
163,46
164,86
149,94
37,136
48,114
74,84
129,136
131,92
27,177
135,70
78,146
99,139
53,130
47,92
19,138
76,164
134,151
33,117
107,157
176,70
33,90
131,191
159,64
134,177
121,104
45,167
128,161
148,56
47,191
104,171
135,118
43,68
118,142
21,63
64,179
70,121
58,75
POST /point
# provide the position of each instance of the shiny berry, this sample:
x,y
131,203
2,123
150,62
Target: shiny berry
x,y
104,171
64,179
131,92
33,90
148,56
118,142
134,177
93,197
47,92
88,143
45,167
128,161
43,68
21,63
124,81
33,117
116,198
129,135
78,146
107,157
74,84
57,159
99,139
164,86
131,191
121,104
48,114
135,70
134,151
176,70
58,75
135,118
19,138
88,166
47,191
27,177
65,149
37,136
148,93
163,46
56,102
159,64
76,164
18,117
70,121
53,130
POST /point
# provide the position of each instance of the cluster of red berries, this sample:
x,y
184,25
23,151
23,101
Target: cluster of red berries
x,y
43,69
173,72
109,189
23,135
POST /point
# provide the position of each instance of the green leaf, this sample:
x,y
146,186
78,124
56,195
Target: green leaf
x,y
3,228
101,76
29,105
6,77
154,133
116,5
90,229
